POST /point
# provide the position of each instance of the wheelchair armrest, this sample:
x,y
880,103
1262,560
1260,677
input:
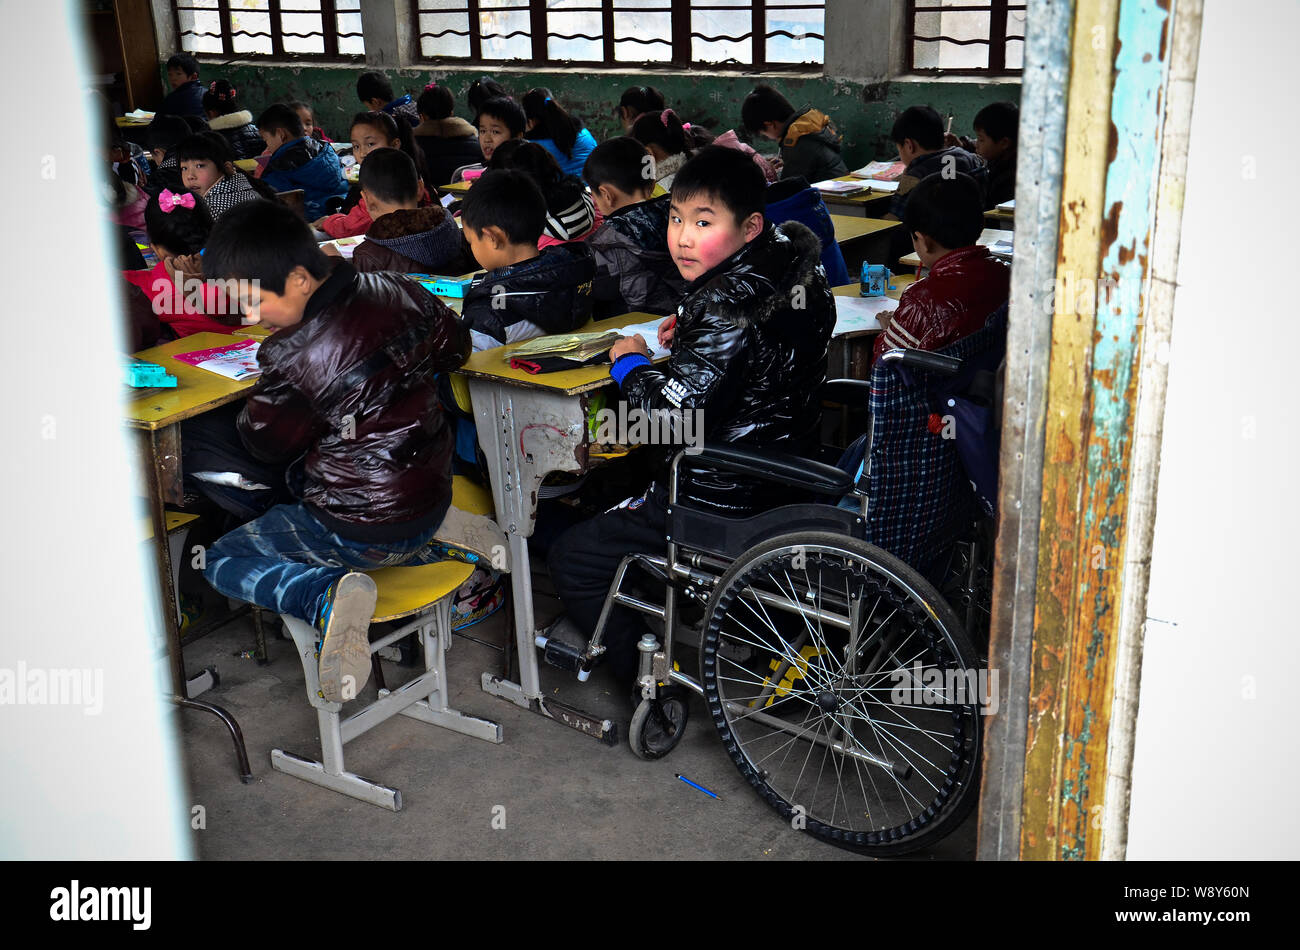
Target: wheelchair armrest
x,y
923,360
791,470
848,392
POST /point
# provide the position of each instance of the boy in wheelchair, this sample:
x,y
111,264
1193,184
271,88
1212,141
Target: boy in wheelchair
x,y
748,353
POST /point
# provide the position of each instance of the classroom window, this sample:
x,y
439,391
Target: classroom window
x,y
288,29
778,34
966,37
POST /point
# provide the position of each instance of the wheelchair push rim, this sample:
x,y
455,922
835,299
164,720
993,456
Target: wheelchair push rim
x,y
846,692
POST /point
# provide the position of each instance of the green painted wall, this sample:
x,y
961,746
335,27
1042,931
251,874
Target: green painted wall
x,y
863,114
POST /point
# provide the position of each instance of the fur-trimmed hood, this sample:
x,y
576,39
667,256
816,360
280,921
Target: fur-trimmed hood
x,y
756,282
235,120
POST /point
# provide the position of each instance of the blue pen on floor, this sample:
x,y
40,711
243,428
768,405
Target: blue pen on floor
x,y
700,787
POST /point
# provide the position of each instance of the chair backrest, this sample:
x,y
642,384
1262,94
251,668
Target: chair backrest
x,y
295,200
919,498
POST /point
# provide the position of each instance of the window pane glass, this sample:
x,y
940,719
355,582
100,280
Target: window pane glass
x,y
1015,54
803,45
954,25
302,32
643,25
444,34
349,23
719,36
201,28
505,34
567,34
250,28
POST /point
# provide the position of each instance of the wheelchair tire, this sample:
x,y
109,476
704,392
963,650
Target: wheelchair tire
x,y
659,724
855,687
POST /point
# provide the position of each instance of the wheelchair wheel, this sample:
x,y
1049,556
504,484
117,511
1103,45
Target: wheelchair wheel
x,y
856,715
659,724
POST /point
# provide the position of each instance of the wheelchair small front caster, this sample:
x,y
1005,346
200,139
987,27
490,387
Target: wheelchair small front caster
x,y
659,723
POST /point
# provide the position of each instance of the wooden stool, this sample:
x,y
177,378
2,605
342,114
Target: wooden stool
x,y
424,594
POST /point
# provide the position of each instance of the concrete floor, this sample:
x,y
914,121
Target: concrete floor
x,y
564,795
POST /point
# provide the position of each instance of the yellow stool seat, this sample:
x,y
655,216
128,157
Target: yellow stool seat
x,y
470,497
409,590
174,519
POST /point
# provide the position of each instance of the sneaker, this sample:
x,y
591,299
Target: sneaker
x,y
345,623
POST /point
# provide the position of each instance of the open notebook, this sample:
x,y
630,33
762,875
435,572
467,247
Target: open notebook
x,y
584,347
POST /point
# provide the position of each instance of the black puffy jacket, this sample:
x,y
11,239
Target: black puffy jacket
x,y
550,293
240,132
634,270
353,386
749,353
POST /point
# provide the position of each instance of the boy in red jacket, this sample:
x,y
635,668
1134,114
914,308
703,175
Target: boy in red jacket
x,y
944,217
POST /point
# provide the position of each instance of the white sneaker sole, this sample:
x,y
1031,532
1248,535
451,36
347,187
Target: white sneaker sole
x,y
345,652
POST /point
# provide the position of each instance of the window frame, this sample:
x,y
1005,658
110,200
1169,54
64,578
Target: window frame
x,y
329,29
998,11
680,38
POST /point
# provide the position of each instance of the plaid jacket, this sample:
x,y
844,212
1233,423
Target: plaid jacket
x,y
919,499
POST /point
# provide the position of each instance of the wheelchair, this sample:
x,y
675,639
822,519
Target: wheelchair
x,y
842,683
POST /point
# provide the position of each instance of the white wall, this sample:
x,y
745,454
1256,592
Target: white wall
x,y
1215,768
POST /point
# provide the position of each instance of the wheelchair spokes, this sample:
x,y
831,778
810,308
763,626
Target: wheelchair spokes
x,y
836,718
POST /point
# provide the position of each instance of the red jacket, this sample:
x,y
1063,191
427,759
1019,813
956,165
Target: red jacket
x,y
178,310
963,289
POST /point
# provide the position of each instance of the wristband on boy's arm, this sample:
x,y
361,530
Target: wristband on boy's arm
x,y
625,364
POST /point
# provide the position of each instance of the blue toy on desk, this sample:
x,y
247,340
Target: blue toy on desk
x,y
875,280
142,375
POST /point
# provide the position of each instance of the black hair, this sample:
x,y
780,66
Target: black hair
x,y
185,62
620,162
483,89
509,200
436,102
393,129
922,124
663,129
641,99
763,105
390,175
180,230
531,159
280,118
196,123
166,131
949,211
726,174
205,146
999,120
373,85
507,110
552,121
262,241
220,98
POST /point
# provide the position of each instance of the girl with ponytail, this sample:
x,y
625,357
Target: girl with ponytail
x,y
556,131
666,137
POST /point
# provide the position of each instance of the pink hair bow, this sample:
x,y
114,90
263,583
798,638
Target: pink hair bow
x,y
168,201
430,85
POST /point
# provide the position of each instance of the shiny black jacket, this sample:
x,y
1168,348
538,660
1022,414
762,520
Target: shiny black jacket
x,y
634,271
550,293
749,353
353,386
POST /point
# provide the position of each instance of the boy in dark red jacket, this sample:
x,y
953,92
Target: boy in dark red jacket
x,y
944,218
348,383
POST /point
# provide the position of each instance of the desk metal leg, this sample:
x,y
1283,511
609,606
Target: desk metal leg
x,y
163,467
526,434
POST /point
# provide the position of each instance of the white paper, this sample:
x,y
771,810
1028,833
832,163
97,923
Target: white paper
x,y
860,314
138,114
883,186
346,246
1007,205
833,187
447,199
650,333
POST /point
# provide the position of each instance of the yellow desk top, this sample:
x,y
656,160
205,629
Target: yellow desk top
x,y
246,164
197,390
900,281
849,227
493,364
124,123
456,188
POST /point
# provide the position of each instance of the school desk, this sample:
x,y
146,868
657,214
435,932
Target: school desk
x,y
457,188
157,414
530,426
855,346
246,164
866,204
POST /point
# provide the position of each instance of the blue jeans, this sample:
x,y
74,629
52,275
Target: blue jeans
x,y
286,560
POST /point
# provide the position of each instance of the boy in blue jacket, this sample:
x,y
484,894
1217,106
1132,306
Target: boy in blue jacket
x,y
298,161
